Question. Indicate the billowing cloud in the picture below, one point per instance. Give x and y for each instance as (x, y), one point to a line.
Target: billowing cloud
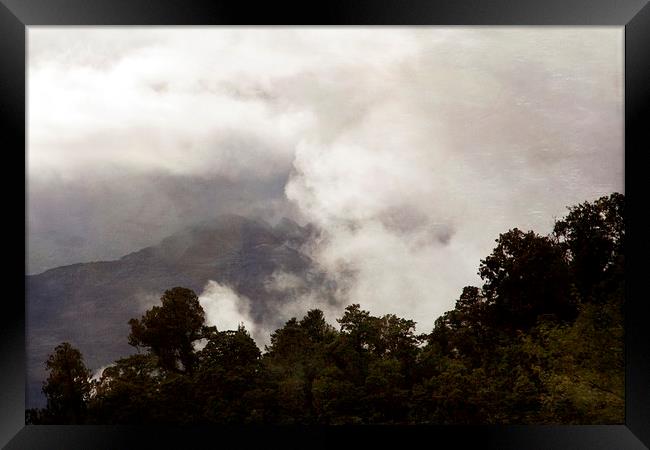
(411, 149)
(224, 308)
(309, 291)
(440, 153)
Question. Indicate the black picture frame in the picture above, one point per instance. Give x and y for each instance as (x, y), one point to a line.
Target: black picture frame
(16, 15)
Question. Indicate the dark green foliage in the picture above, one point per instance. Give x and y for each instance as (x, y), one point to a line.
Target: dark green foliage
(227, 377)
(540, 342)
(127, 391)
(296, 357)
(170, 330)
(67, 387)
(526, 276)
(593, 235)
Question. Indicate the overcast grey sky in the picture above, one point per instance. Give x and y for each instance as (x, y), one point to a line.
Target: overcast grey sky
(412, 147)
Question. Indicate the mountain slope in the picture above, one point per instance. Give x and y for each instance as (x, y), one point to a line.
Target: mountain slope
(90, 304)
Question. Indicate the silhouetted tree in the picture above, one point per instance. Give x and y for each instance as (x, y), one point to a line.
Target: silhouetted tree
(127, 391)
(527, 275)
(594, 237)
(228, 376)
(296, 356)
(170, 330)
(541, 341)
(67, 387)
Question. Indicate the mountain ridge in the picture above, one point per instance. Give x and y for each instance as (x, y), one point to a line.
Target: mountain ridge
(89, 304)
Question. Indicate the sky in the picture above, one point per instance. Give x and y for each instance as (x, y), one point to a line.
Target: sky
(412, 148)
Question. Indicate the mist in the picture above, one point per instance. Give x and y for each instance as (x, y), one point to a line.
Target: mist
(409, 149)
(225, 309)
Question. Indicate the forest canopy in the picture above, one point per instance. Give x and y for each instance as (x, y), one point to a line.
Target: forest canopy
(541, 341)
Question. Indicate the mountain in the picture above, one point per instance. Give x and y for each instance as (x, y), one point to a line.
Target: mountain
(90, 304)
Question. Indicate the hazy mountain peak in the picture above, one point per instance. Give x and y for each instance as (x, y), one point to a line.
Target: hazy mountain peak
(89, 304)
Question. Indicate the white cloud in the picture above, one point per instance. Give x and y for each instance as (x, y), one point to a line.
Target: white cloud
(437, 155)
(304, 293)
(411, 148)
(224, 308)
(227, 310)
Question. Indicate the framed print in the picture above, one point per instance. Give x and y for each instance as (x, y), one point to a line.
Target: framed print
(353, 222)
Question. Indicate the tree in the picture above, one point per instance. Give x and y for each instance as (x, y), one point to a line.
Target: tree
(67, 387)
(170, 330)
(469, 329)
(229, 349)
(317, 329)
(526, 276)
(228, 376)
(296, 356)
(379, 355)
(127, 391)
(593, 235)
(540, 342)
(582, 366)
